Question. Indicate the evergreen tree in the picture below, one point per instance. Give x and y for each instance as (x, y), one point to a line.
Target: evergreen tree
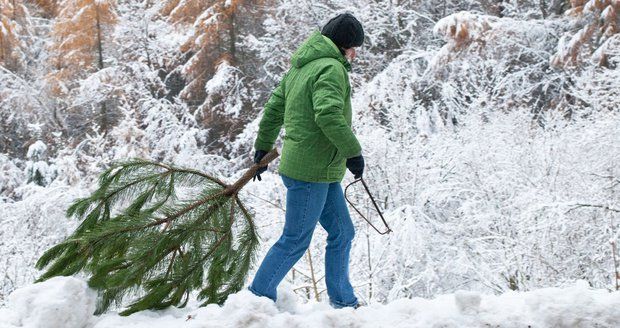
(38, 171)
(141, 231)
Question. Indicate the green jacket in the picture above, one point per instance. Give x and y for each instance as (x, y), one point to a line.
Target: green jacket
(313, 101)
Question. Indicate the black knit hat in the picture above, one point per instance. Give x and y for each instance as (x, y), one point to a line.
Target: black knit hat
(345, 31)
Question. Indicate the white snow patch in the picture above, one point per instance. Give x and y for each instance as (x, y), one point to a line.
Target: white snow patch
(452, 26)
(36, 149)
(224, 90)
(67, 302)
(60, 302)
(467, 302)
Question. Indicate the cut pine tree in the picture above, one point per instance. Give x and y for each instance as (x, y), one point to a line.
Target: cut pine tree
(140, 237)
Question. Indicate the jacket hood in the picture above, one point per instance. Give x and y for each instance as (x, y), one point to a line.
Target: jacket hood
(315, 47)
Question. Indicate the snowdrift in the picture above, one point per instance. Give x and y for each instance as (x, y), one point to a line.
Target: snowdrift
(67, 302)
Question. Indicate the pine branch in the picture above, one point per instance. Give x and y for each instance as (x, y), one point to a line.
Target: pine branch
(142, 236)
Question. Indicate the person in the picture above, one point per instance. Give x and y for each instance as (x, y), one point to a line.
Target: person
(313, 101)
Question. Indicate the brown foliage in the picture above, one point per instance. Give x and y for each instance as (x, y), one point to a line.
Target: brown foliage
(8, 44)
(11, 13)
(49, 7)
(601, 20)
(13, 10)
(216, 24)
(79, 33)
(213, 41)
(187, 11)
(462, 29)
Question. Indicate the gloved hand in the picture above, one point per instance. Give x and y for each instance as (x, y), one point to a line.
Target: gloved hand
(356, 166)
(258, 155)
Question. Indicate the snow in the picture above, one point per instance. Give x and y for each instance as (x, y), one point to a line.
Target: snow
(463, 23)
(224, 90)
(467, 302)
(12, 175)
(593, 5)
(219, 81)
(36, 149)
(608, 13)
(67, 302)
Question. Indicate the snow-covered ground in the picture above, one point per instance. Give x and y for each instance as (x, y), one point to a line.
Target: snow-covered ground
(67, 302)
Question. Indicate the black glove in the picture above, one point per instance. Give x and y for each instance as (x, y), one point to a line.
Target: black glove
(356, 166)
(258, 155)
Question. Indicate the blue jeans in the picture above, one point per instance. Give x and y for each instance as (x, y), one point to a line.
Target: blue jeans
(307, 203)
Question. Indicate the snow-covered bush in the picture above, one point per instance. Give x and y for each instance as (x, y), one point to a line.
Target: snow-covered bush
(12, 177)
(29, 227)
(496, 207)
(38, 170)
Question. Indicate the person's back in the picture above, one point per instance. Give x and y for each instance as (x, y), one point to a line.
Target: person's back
(315, 96)
(313, 102)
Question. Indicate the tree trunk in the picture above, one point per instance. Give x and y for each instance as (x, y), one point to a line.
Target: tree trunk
(99, 41)
(543, 8)
(104, 118)
(558, 7)
(233, 38)
(103, 110)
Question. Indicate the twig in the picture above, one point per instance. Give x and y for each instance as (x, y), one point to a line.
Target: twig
(267, 201)
(605, 207)
(313, 279)
(614, 251)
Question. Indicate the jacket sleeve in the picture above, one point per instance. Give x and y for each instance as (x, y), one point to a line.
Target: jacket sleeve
(328, 99)
(272, 120)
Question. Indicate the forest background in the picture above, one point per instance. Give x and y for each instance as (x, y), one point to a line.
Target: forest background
(490, 128)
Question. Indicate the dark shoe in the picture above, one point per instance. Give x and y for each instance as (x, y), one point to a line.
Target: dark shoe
(355, 306)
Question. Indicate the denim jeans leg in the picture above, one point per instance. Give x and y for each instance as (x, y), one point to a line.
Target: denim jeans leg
(304, 203)
(336, 220)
